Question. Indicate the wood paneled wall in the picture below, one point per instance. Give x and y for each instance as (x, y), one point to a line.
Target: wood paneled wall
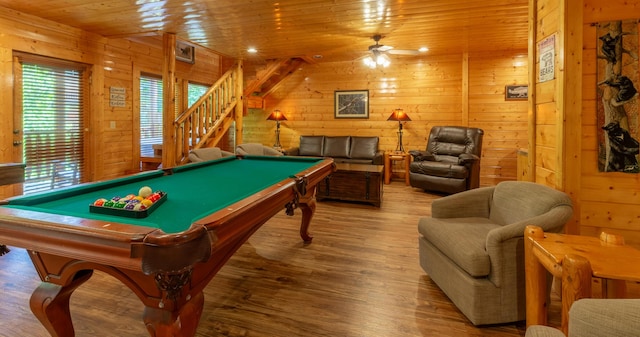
(112, 62)
(434, 90)
(548, 114)
(610, 201)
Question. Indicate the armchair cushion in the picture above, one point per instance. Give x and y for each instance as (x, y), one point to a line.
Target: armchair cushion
(462, 240)
(604, 317)
(440, 169)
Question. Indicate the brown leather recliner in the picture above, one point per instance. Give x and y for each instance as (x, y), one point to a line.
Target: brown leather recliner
(451, 162)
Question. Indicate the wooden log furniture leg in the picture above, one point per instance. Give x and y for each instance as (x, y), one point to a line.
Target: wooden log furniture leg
(576, 284)
(535, 281)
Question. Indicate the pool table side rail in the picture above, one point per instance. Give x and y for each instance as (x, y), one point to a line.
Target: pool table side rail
(73, 237)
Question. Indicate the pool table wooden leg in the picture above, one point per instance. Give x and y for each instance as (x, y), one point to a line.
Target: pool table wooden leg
(50, 304)
(308, 207)
(182, 322)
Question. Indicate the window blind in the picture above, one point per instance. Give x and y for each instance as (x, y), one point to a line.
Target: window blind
(52, 113)
(150, 113)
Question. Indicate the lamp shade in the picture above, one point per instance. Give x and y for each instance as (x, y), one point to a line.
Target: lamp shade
(276, 115)
(399, 115)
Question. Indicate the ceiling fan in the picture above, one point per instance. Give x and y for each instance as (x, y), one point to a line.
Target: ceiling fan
(379, 53)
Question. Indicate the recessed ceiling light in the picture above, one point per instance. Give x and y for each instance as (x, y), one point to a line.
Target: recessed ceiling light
(252, 50)
(318, 56)
(423, 49)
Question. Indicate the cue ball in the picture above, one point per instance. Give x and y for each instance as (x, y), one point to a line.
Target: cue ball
(145, 191)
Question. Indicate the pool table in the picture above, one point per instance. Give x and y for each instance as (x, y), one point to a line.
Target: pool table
(168, 257)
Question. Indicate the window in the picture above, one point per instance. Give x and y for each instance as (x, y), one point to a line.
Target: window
(151, 109)
(52, 115)
(150, 114)
(195, 92)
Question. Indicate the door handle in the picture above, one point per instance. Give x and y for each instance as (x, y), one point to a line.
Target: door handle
(17, 143)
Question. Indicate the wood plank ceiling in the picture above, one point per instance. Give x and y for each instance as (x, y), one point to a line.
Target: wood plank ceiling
(336, 30)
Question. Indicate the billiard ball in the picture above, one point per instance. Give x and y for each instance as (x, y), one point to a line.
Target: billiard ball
(145, 191)
(99, 202)
(154, 197)
(127, 197)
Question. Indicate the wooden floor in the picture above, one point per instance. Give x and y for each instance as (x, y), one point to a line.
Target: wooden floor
(359, 277)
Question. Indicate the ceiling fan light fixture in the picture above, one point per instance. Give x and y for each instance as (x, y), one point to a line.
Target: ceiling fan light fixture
(383, 60)
(369, 62)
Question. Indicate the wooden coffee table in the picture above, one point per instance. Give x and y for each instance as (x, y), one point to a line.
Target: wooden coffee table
(575, 259)
(353, 182)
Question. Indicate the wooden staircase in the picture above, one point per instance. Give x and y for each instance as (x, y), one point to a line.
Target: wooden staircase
(205, 123)
(267, 79)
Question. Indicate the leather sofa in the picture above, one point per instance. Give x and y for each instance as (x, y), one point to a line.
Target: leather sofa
(451, 161)
(343, 149)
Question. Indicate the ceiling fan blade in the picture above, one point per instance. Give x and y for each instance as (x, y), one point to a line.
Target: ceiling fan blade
(403, 52)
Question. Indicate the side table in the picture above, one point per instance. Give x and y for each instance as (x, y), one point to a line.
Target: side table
(389, 158)
(574, 259)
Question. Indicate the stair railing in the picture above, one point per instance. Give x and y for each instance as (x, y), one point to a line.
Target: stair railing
(199, 125)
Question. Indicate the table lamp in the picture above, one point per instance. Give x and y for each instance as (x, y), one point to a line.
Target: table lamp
(400, 116)
(277, 116)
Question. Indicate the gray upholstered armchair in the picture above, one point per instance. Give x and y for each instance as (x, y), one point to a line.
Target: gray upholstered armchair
(207, 153)
(590, 317)
(472, 246)
(451, 161)
(256, 149)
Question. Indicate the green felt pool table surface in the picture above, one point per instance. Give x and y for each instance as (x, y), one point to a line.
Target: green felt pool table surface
(193, 191)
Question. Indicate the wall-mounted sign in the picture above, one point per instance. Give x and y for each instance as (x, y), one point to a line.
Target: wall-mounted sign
(117, 97)
(547, 50)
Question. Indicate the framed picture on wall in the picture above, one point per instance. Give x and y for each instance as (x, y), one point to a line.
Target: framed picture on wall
(352, 104)
(185, 52)
(518, 92)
